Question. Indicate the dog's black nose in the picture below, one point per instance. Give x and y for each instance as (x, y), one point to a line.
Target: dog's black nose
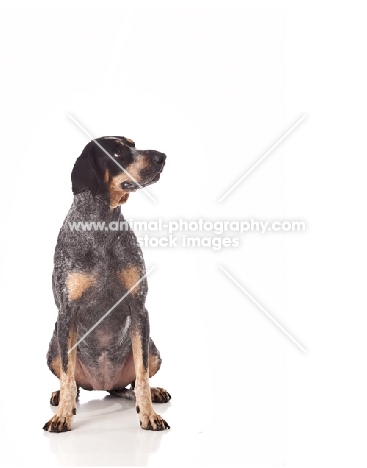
(159, 158)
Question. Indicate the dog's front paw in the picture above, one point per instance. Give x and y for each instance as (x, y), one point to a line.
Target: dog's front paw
(159, 395)
(59, 423)
(153, 422)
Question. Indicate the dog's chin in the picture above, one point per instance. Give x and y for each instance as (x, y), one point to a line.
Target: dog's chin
(151, 181)
(130, 186)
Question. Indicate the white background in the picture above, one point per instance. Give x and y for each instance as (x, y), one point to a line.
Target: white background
(214, 86)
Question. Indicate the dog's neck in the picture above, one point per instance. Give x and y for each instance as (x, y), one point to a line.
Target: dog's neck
(86, 205)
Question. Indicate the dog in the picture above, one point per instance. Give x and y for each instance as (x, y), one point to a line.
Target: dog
(93, 270)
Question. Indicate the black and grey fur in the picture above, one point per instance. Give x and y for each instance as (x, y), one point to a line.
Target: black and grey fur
(93, 269)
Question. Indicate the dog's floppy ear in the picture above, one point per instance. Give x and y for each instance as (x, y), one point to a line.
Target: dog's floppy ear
(86, 174)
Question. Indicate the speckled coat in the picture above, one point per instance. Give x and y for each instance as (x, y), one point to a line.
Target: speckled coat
(93, 270)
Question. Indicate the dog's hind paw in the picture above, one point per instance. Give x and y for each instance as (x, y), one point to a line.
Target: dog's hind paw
(159, 395)
(124, 393)
(55, 398)
(58, 424)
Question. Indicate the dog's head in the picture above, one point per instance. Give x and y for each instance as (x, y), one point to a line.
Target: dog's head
(112, 165)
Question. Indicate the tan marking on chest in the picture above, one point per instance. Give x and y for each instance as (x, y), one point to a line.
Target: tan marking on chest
(78, 283)
(129, 277)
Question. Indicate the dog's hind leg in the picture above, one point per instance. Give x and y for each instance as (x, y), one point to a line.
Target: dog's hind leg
(158, 394)
(55, 398)
(127, 393)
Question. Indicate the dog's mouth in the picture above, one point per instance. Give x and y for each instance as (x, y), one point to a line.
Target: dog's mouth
(130, 186)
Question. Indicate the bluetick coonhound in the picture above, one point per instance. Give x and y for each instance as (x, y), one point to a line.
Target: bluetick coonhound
(92, 271)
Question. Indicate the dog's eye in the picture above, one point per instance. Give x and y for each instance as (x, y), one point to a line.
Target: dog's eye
(118, 151)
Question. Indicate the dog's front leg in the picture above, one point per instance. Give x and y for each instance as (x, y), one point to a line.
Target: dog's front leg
(67, 338)
(149, 419)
